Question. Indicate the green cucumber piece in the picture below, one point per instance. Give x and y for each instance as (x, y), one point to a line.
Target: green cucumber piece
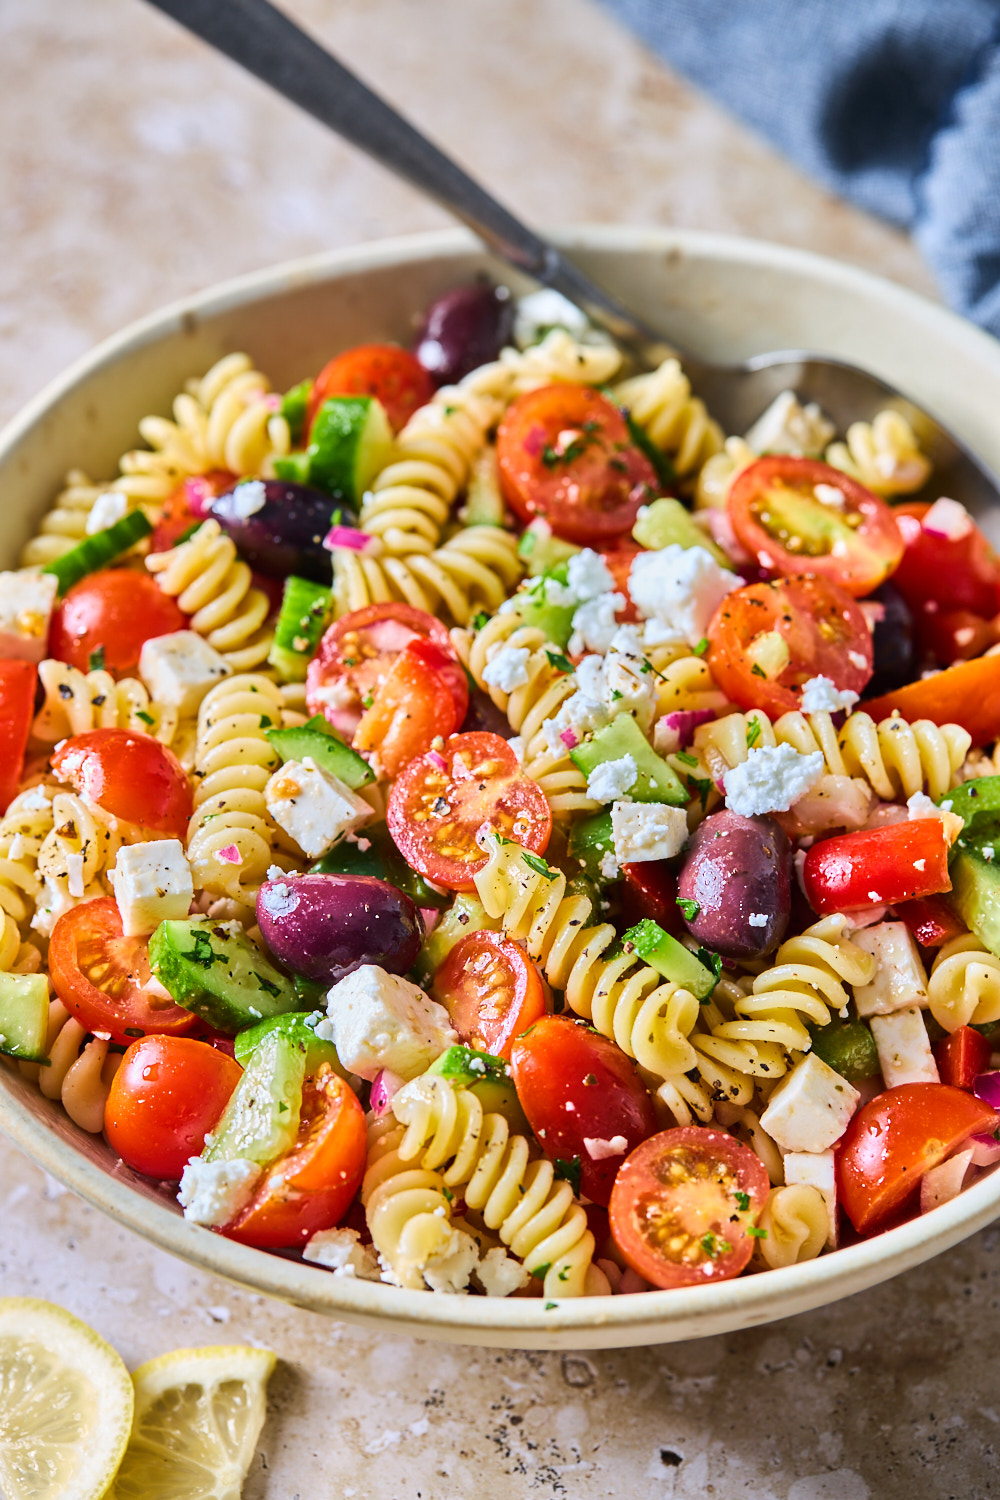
(555, 621)
(261, 1120)
(541, 551)
(975, 800)
(670, 958)
(96, 551)
(317, 740)
(466, 915)
(214, 970)
(295, 408)
(487, 1077)
(666, 522)
(305, 610)
(655, 781)
(295, 1028)
(349, 443)
(24, 1016)
(293, 466)
(975, 886)
(589, 841)
(383, 860)
(847, 1047)
(483, 501)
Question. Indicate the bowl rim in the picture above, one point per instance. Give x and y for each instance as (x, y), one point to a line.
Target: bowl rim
(652, 1316)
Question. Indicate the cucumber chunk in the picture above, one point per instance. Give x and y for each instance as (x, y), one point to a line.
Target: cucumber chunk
(487, 1077)
(666, 522)
(97, 551)
(214, 970)
(24, 1016)
(655, 782)
(847, 1047)
(261, 1120)
(305, 609)
(589, 841)
(295, 409)
(466, 915)
(540, 550)
(349, 443)
(296, 1029)
(975, 882)
(670, 958)
(316, 739)
(382, 860)
(555, 621)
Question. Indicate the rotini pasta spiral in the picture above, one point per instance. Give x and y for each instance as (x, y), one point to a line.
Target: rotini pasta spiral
(795, 1223)
(75, 855)
(23, 830)
(883, 454)
(719, 471)
(76, 702)
(232, 763)
(78, 1072)
(66, 523)
(476, 569)
(534, 1213)
(964, 984)
(406, 1207)
(213, 586)
(676, 422)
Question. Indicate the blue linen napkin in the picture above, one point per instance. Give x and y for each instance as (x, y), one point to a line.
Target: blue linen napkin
(894, 104)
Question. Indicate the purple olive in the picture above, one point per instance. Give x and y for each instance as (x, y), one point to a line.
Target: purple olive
(464, 329)
(483, 714)
(893, 644)
(278, 527)
(738, 872)
(325, 926)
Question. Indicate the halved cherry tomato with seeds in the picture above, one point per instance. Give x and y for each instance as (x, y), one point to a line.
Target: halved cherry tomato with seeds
(132, 776)
(565, 453)
(767, 640)
(392, 374)
(115, 611)
(357, 653)
(683, 1206)
(102, 977)
(797, 515)
(166, 1096)
(441, 801)
(414, 705)
(491, 990)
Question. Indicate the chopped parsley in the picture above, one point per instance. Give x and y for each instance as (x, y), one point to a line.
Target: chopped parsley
(203, 953)
(713, 1246)
(742, 1201)
(569, 1171)
(95, 662)
(559, 661)
(756, 1233)
(367, 701)
(686, 758)
(265, 722)
(689, 909)
(145, 717)
(711, 961)
(757, 671)
(701, 647)
(267, 985)
(700, 787)
(539, 866)
(479, 619)
(753, 733)
(542, 1271)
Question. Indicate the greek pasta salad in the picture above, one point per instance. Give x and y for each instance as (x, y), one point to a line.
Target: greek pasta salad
(471, 823)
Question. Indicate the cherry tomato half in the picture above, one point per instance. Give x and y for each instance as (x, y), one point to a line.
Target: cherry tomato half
(392, 374)
(966, 694)
(186, 506)
(797, 515)
(356, 654)
(877, 866)
(565, 453)
(440, 802)
(962, 1056)
(619, 559)
(491, 990)
(167, 1095)
(415, 703)
(897, 1137)
(101, 976)
(583, 1098)
(650, 891)
(130, 775)
(116, 610)
(683, 1203)
(311, 1187)
(18, 680)
(956, 572)
(822, 627)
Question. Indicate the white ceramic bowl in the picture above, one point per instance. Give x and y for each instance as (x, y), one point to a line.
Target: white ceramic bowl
(725, 298)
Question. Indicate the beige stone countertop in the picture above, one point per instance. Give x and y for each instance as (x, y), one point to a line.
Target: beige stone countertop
(135, 167)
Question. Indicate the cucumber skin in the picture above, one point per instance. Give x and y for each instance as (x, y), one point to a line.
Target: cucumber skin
(349, 443)
(200, 987)
(99, 549)
(254, 1126)
(670, 958)
(305, 609)
(24, 1016)
(295, 1027)
(329, 753)
(657, 782)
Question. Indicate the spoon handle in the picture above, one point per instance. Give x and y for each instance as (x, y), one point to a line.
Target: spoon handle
(267, 43)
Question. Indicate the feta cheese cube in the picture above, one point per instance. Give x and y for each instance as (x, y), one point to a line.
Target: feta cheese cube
(816, 1169)
(610, 780)
(682, 586)
(178, 669)
(647, 830)
(899, 979)
(213, 1192)
(507, 669)
(904, 1048)
(378, 1020)
(811, 1107)
(313, 807)
(108, 508)
(27, 600)
(341, 1251)
(789, 427)
(152, 884)
(820, 695)
(770, 779)
(539, 311)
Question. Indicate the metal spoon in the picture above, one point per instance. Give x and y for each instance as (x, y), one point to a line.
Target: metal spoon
(267, 43)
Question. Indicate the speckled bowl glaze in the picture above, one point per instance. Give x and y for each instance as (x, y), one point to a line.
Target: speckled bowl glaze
(726, 298)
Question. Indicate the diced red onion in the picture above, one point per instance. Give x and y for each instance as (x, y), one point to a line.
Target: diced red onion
(987, 1088)
(229, 854)
(437, 760)
(569, 738)
(347, 536)
(947, 519)
(385, 1086)
(199, 494)
(944, 1182)
(431, 917)
(273, 401)
(685, 721)
(985, 1150)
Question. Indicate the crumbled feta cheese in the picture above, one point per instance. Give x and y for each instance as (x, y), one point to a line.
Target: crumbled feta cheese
(609, 867)
(822, 696)
(789, 427)
(643, 831)
(341, 1251)
(859, 660)
(74, 874)
(591, 677)
(904, 1048)
(658, 633)
(609, 781)
(178, 669)
(588, 575)
(682, 586)
(378, 1020)
(500, 1274)
(757, 919)
(594, 624)
(50, 903)
(921, 806)
(340, 693)
(579, 715)
(601, 1150)
(313, 807)
(152, 884)
(816, 1169)
(508, 669)
(810, 1108)
(947, 518)
(27, 600)
(516, 743)
(248, 498)
(449, 1270)
(108, 508)
(770, 779)
(213, 1192)
(539, 311)
(899, 979)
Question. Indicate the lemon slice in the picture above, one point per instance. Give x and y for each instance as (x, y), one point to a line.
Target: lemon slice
(198, 1415)
(65, 1404)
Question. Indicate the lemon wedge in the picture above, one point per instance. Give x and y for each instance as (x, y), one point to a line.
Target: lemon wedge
(198, 1415)
(65, 1404)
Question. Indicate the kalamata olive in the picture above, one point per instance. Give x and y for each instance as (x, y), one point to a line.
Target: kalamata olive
(892, 642)
(325, 926)
(464, 329)
(738, 872)
(278, 526)
(483, 715)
